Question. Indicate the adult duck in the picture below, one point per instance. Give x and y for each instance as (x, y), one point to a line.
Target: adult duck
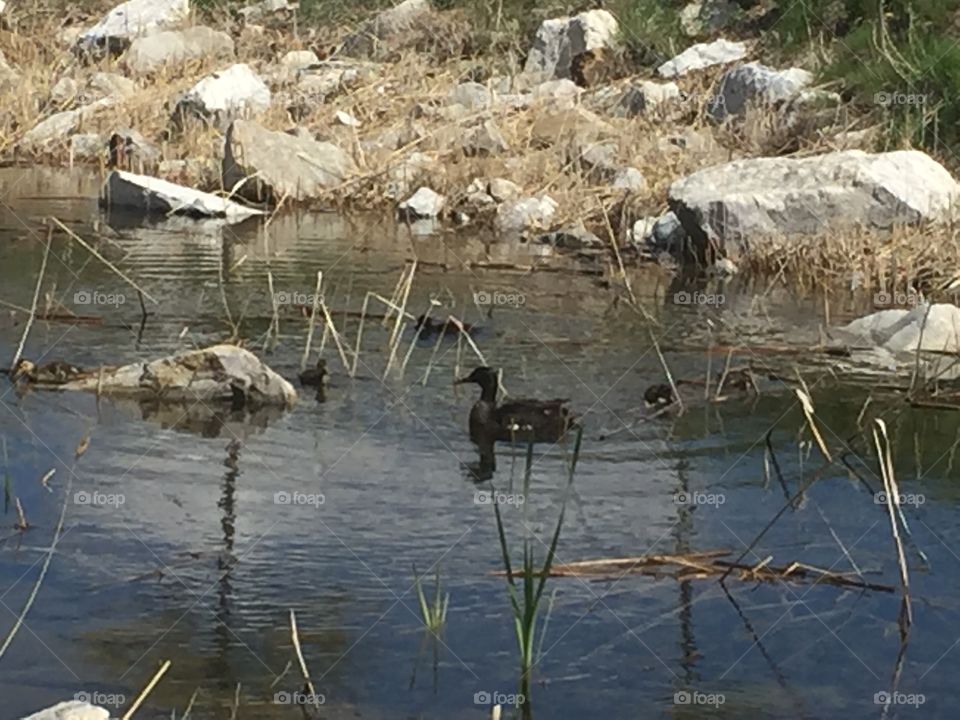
(521, 421)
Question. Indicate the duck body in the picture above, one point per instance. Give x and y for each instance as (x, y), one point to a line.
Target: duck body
(429, 327)
(314, 377)
(52, 373)
(521, 421)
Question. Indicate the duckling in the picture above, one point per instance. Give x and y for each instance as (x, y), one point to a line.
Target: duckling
(314, 377)
(519, 420)
(659, 395)
(51, 373)
(429, 327)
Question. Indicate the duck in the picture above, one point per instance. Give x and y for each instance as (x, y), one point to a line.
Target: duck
(315, 376)
(429, 327)
(51, 373)
(523, 420)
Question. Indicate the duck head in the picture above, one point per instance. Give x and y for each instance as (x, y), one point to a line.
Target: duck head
(486, 378)
(23, 369)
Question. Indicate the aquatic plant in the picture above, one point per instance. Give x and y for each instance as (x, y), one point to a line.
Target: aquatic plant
(525, 596)
(434, 615)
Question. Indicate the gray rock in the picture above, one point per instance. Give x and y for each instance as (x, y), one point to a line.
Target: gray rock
(345, 118)
(322, 81)
(265, 166)
(424, 203)
(55, 131)
(8, 76)
(87, 147)
(559, 40)
(64, 92)
(703, 55)
(553, 126)
(299, 59)
(71, 710)
(130, 20)
(905, 331)
(484, 139)
(667, 233)
(265, 8)
(645, 96)
(130, 150)
(699, 19)
(598, 160)
(757, 85)
(174, 47)
(213, 374)
(515, 216)
(146, 194)
(471, 95)
(629, 179)
(236, 92)
(388, 29)
(110, 85)
(414, 169)
(561, 89)
(732, 205)
(572, 238)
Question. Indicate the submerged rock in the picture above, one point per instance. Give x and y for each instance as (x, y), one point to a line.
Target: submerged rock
(218, 373)
(71, 710)
(263, 165)
(560, 40)
(729, 206)
(235, 92)
(130, 20)
(755, 84)
(703, 55)
(145, 194)
(175, 47)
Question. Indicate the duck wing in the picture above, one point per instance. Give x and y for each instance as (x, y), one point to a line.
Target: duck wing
(534, 420)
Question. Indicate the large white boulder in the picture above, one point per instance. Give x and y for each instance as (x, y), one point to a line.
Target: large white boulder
(424, 203)
(703, 55)
(758, 85)
(71, 710)
(218, 373)
(905, 331)
(732, 205)
(146, 194)
(559, 40)
(174, 47)
(234, 92)
(264, 166)
(132, 19)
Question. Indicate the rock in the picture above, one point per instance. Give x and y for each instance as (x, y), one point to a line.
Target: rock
(641, 232)
(559, 40)
(151, 195)
(265, 8)
(222, 373)
(130, 20)
(644, 97)
(699, 19)
(899, 331)
(235, 92)
(9, 77)
(724, 268)
(189, 171)
(471, 95)
(629, 179)
(388, 30)
(412, 170)
(174, 47)
(561, 89)
(345, 118)
(104, 85)
(86, 147)
(731, 205)
(484, 139)
(64, 91)
(571, 238)
(667, 233)
(265, 165)
(502, 190)
(129, 150)
(299, 59)
(555, 126)
(597, 160)
(755, 84)
(332, 76)
(515, 216)
(71, 710)
(56, 130)
(424, 203)
(703, 55)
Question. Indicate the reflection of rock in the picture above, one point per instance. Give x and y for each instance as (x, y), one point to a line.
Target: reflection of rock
(208, 421)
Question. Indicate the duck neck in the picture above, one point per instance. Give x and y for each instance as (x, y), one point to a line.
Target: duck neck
(488, 390)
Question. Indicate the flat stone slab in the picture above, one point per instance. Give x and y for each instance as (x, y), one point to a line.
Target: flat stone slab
(148, 194)
(703, 55)
(173, 47)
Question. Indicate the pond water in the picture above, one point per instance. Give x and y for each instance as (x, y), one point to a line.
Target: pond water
(176, 547)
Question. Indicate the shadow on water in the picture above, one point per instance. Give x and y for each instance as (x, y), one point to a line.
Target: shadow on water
(202, 561)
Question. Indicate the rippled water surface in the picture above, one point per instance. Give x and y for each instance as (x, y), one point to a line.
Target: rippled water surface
(200, 565)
